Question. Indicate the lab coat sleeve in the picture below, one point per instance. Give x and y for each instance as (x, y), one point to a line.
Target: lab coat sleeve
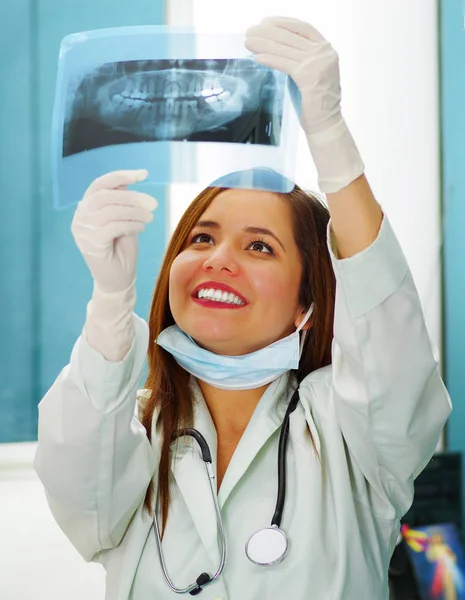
(94, 458)
(389, 397)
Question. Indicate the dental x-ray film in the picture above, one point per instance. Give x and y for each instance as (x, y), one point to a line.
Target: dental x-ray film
(186, 106)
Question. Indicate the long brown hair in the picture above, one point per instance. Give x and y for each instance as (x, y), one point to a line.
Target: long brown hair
(170, 395)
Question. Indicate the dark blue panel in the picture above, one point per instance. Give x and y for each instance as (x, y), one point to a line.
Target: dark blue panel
(17, 225)
(453, 140)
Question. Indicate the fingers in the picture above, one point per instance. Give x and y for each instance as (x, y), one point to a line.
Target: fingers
(98, 241)
(269, 46)
(285, 44)
(107, 234)
(113, 212)
(104, 197)
(295, 26)
(115, 180)
(268, 35)
(101, 216)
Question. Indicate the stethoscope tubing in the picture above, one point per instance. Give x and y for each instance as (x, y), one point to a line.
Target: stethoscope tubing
(205, 579)
(196, 587)
(282, 451)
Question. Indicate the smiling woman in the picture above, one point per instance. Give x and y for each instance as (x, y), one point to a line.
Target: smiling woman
(276, 284)
(292, 348)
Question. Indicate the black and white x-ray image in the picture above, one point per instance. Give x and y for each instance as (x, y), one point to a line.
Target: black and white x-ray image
(231, 100)
(158, 97)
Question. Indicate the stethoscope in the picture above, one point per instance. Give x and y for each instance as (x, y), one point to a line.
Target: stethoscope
(266, 547)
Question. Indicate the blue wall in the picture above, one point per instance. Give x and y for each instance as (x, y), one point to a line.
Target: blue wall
(452, 44)
(44, 283)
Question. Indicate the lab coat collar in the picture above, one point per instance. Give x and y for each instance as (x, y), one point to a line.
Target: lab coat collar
(189, 469)
(266, 419)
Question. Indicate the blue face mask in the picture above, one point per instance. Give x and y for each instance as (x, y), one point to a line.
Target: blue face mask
(244, 372)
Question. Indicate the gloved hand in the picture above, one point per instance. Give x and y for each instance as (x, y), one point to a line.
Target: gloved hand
(105, 227)
(300, 51)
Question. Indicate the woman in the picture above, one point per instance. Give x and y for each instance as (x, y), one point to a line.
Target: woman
(244, 274)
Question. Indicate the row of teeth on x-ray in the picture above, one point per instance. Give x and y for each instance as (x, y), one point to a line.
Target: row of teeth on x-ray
(170, 99)
(152, 89)
(175, 103)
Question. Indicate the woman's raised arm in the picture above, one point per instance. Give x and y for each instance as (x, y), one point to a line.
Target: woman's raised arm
(355, 217)
(300, 51)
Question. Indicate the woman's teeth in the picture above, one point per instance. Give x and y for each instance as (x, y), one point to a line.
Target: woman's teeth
(218, 296)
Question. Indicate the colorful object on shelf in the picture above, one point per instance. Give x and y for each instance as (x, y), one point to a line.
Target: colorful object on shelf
(438, 561)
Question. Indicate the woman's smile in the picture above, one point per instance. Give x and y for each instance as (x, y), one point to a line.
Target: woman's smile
(212, 294)
(211, 303)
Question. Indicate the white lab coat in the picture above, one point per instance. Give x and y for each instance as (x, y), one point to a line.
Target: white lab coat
(375, 415)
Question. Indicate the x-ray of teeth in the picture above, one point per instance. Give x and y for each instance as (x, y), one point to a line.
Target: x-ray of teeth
(188, 106)
(222, 100)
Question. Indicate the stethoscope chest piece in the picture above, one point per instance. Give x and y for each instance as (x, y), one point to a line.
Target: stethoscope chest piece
(267, 547)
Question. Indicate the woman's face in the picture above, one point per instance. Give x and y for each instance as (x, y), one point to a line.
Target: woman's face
(243, 245)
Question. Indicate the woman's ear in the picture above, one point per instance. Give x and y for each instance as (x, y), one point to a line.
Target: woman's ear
(300, 317)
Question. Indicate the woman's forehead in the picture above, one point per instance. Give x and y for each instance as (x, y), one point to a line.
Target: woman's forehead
(241, 203)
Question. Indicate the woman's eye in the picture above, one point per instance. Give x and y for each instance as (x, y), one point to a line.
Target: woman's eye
(201, 238)
(261, 247)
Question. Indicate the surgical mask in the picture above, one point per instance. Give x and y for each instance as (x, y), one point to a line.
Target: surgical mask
(244, 372)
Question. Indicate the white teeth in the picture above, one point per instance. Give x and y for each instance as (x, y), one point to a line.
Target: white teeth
(219, 296)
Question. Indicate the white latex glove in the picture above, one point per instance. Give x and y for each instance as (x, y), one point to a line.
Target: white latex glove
(300, 51)
(105, 227)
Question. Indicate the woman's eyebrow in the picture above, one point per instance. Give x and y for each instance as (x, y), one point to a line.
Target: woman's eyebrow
(264, 231)
(248, 229)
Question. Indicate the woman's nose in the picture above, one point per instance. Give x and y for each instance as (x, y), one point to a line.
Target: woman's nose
(222, 257)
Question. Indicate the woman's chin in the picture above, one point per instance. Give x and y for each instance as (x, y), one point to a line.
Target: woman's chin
(217, 342)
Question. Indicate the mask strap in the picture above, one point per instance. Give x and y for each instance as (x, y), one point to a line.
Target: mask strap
(306, 318)
(304, 333)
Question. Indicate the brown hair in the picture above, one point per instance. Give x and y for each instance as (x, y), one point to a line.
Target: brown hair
(170, 394)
